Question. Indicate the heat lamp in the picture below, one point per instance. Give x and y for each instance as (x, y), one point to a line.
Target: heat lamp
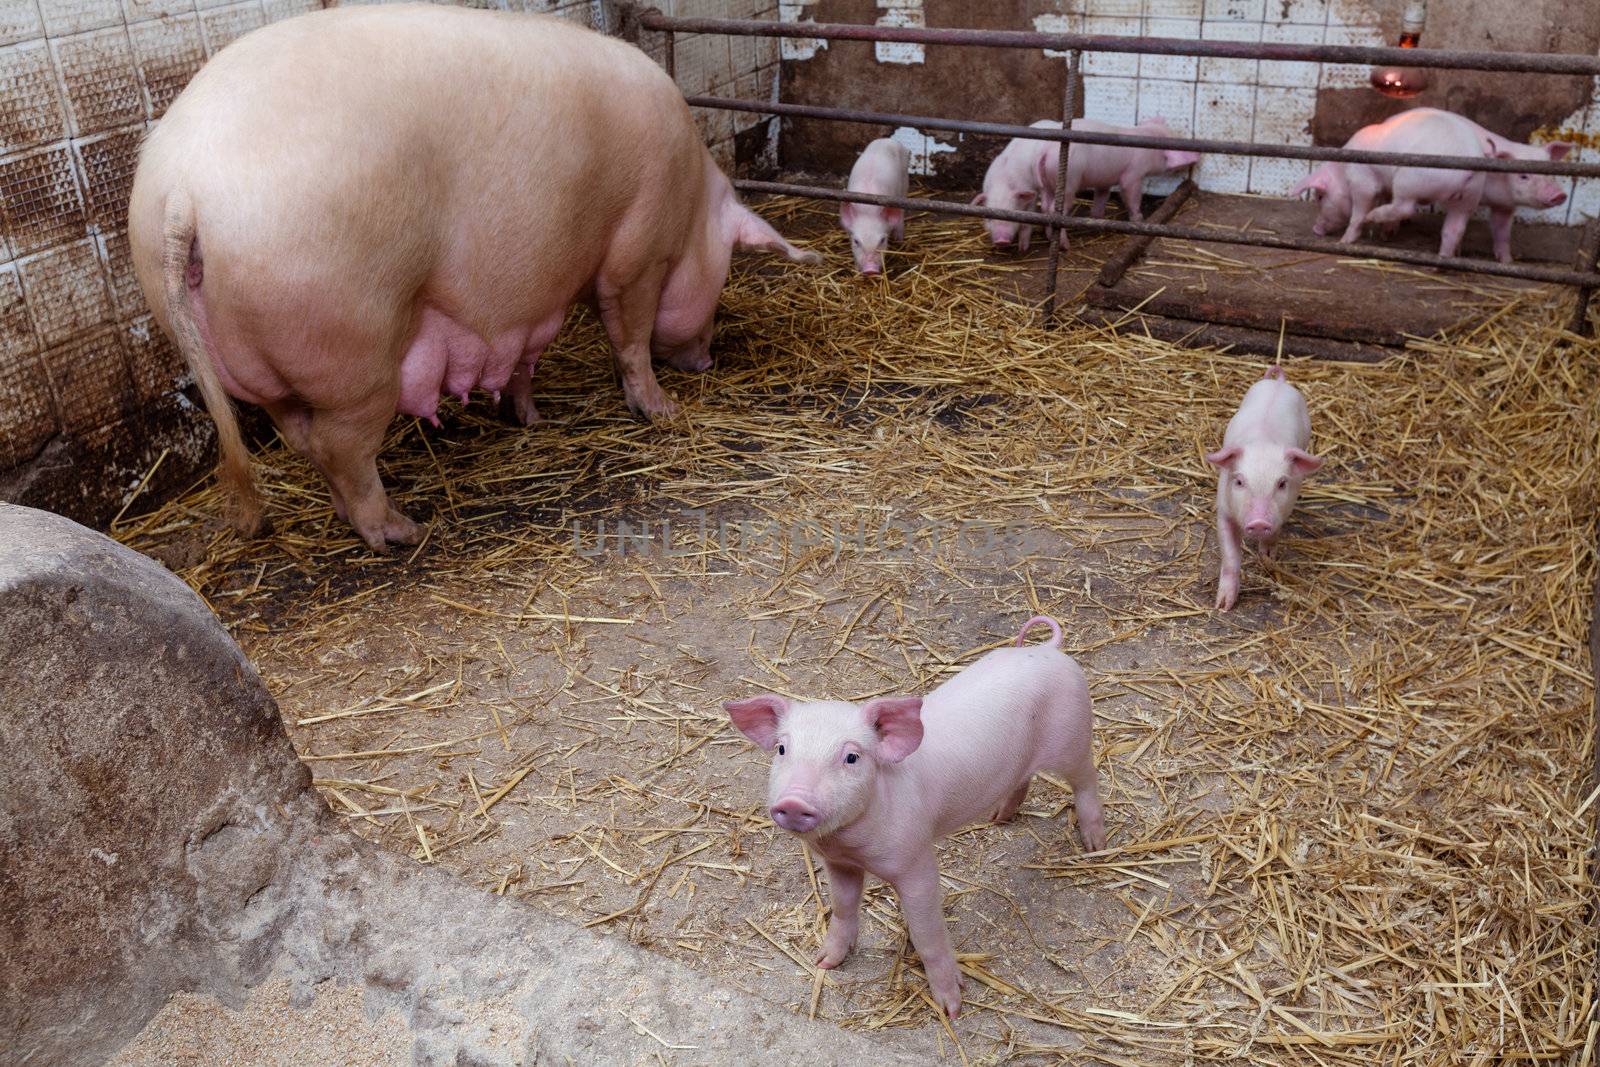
(1402, 83)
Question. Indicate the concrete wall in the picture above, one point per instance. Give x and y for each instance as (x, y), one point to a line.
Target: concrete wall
(90, 390)
(1279, 103)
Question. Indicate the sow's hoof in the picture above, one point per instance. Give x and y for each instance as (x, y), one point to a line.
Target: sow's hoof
(652, 402)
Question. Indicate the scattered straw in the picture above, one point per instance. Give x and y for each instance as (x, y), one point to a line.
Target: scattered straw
(1349, 822)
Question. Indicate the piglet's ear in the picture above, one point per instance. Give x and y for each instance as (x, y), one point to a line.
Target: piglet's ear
(1558, 149)
(981, 199)
(1302, 462)
(1224, 457)
(893, 215)
(898, 722)
(847, 212)
(757, 717)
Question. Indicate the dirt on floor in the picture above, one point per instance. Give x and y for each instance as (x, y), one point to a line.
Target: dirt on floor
(1345, 820)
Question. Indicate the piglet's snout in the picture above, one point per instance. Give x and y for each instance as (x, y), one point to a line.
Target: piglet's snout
(795, 815)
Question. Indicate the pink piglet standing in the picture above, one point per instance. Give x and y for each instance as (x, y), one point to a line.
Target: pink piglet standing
(1260, 466)
(874, 786)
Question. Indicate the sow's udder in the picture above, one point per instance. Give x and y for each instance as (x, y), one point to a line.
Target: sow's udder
(447, 357)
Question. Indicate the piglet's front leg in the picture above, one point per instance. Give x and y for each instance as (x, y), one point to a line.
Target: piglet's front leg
(844, 886)
(1232, 556)
(922, 903)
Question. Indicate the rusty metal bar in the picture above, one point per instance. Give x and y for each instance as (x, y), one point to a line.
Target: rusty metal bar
(672, 55)
(1236, 148)
(1588, 259)
(1069, 108)
(1359, 55)
(1114, 268)
(1525, 272)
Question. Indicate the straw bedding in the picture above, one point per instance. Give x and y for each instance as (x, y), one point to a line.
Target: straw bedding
(1349, 822)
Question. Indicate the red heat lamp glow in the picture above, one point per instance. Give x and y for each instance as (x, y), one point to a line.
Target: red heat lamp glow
(1403, 83)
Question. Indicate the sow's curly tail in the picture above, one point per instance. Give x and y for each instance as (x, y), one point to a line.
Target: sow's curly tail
(181, 271)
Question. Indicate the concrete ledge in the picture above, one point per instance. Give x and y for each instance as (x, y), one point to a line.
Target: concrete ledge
(164, 839)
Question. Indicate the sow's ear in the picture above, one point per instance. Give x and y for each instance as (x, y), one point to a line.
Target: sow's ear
(898, 722)
(1302, 462)
(757, 717)
(752, 231)
(1224, 458)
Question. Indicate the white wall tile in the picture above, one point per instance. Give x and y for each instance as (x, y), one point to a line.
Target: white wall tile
(1118, 64)
(1235, 10)
(1283, 116)
(1290, 74)
(1225, 112)
(1174, 9)
(1223, 174)
(1171, 100)
(1299, 12)
(20, 21)
(1229, 71)
(1114, 100)
(1275, 177)
(1348, 76)
(1183, 68)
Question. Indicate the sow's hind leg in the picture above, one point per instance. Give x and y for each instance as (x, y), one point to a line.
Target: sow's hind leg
(628, 309)
(344, 443)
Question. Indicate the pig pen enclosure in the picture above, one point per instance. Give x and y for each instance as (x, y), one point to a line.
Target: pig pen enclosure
(1350, 821)
(1347, 821)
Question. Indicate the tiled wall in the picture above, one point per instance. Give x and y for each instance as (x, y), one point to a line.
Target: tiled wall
(717, 65)
(1243, 100)
(86, 380)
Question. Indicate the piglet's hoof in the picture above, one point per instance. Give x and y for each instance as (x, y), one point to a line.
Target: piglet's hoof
(947, 994)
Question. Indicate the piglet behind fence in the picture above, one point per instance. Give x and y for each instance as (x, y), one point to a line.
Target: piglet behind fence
(874, 786)
(1260, 466)
(881, 170)
(1012, 184)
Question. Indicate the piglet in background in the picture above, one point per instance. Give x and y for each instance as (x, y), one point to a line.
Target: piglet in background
(1260, 466)
(1012, 184)
(1101, 166)
(874, 786)
(882, 171)
(1505, 191)
(1352, 194)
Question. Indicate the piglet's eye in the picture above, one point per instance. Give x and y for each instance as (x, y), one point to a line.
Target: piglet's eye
(1283, 483)
(780, 750)
(1239, 482)
(850, 757)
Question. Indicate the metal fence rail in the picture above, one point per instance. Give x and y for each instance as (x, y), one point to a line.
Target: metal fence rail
(1584, 277)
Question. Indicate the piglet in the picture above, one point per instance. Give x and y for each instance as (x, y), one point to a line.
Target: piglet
(881, 170)
(1012, 184)
(1260, 466)
(1102, 166)
(874, 786)
(1347, 192)
(1505, 191)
